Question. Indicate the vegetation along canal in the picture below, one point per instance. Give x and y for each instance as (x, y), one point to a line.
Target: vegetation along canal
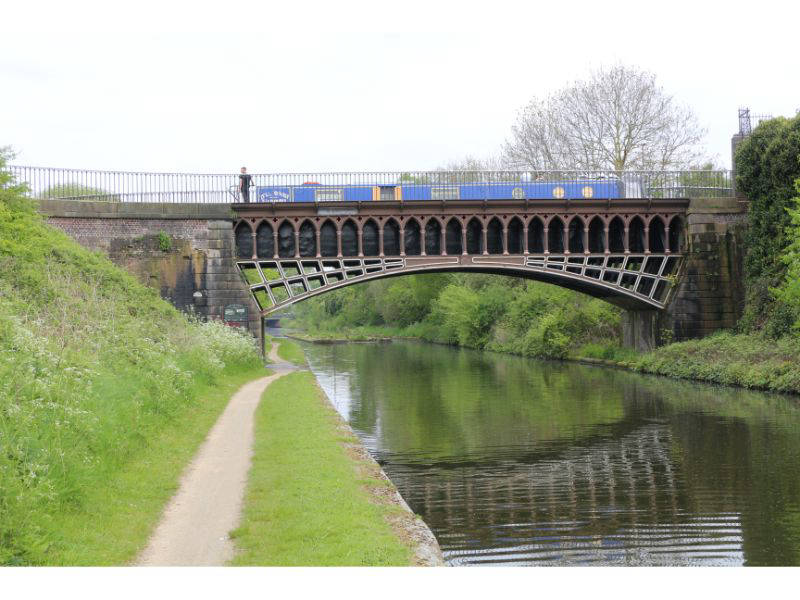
(518, 461)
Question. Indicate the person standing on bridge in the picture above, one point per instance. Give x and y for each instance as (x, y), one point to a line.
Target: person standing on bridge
(245, 181)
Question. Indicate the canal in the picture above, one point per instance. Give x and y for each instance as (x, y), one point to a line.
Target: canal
(513, 461)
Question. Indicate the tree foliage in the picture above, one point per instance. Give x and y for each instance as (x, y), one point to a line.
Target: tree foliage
(618, 118)
(767, 165)
(789, 291)
(476, 311)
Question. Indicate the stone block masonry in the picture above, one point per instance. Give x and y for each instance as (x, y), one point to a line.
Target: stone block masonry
(192, 267)
(709, 295)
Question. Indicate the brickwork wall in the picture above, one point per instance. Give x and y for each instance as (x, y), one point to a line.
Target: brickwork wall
(200, 258)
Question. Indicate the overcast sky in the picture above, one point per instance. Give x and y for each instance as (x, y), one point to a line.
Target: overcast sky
(357, 85)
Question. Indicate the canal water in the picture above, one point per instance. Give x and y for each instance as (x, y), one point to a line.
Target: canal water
(514, 461)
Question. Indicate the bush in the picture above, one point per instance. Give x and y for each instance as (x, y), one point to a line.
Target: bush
(767, 165)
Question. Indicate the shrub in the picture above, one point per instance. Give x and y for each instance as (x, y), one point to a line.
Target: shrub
(767, 165)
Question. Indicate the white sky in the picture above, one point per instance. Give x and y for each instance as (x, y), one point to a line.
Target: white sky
(210, 86)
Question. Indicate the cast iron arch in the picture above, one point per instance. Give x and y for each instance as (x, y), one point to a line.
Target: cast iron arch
(308, 239)
(555, 236)
(454, 244)
(265, 240)
(244, 240)
(328, 246)
(636, 235)
(658, 235)
(433, 237)
(391, 238)
(575, 235)
(536, 236)
(370, 238)
(616, 235)
(474, 236)
(597, 236)
(516, 236)
(412, 239)
(349, 238)
(494, 236)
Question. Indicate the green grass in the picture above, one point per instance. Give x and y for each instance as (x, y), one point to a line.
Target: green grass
(105, 392)
(290, 351)
(609, 351)
(751, 361)
(119, 514)
(307, 502)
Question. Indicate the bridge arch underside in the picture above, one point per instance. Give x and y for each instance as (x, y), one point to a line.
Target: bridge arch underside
(626, 251)
(631, 281)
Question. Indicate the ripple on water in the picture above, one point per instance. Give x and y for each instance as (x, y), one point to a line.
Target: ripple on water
(521, 462)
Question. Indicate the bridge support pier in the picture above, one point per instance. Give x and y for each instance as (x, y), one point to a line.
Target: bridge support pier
(640, 330)
(709, 295)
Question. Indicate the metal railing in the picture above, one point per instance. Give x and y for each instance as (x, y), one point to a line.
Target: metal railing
(181, 188)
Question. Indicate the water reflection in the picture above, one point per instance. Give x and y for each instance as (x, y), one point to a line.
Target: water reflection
(515, 461)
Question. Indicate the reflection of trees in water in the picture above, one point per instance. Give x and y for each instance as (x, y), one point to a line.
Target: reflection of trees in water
(433, 401)
(496, 451)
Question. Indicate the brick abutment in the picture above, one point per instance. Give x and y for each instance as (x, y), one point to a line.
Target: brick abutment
(186, 255)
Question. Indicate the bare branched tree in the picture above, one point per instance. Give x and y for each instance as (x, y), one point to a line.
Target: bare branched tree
(616, 119)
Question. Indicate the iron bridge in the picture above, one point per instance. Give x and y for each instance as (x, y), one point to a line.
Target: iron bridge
(627, 251)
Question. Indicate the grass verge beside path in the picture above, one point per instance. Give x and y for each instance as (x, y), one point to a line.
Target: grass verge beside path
(307, 501)
(290, 351)
(117, 518)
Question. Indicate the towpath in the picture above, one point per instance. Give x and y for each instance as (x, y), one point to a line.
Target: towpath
(194, 528)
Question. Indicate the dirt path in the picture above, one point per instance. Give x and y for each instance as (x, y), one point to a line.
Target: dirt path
(194, 527)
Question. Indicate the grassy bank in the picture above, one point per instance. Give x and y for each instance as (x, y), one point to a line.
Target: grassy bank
(747, 360)
(127, 506)
(105, 391)
(291, 352)
(310, 501)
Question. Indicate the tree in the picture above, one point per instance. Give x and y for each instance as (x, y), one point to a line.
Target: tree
(767, 166)
(789, 290)
(617, 119)
(78, 191)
